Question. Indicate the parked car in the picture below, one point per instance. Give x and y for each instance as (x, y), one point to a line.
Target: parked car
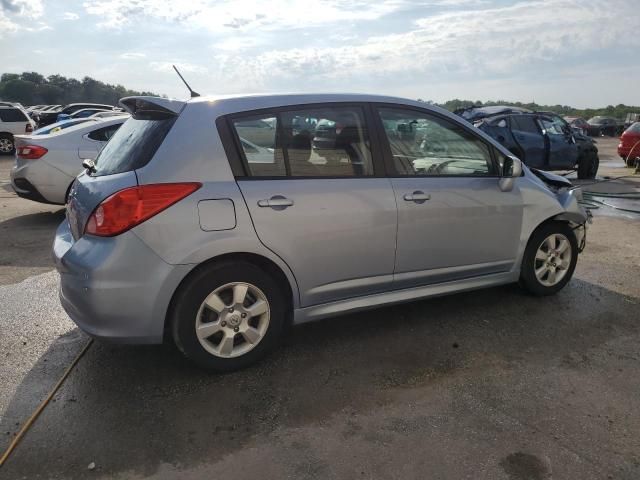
(629, 146)
(46, 165)
(50, 116)
(220, 252)
(55, 127)
(105, 114)
(630, 119)
(542, 140)
(13, 121)
(578, 122)
(84, 113)
(600, 126)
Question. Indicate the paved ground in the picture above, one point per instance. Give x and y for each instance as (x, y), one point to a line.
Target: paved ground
(487, 384)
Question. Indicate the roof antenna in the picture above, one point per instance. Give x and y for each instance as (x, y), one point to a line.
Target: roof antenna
(193, 93)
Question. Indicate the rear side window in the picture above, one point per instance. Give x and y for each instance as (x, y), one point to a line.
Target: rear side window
(132, 146)
(12, 115)
(307, 142)
(524, 123)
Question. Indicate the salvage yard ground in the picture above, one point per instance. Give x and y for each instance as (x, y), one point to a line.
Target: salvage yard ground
(489, 384)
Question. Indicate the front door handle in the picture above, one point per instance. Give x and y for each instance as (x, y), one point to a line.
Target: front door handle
(417, 196)
(277, 201)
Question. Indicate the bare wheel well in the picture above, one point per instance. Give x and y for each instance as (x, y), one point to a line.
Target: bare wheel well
(264, 263)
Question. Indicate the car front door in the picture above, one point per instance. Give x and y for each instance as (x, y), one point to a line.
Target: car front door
(563, 151)
(530, 139)
(454, 222)
(330, 214)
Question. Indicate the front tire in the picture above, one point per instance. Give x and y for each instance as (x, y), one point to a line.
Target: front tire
(588, 165)
(227, 316)
(549, 259)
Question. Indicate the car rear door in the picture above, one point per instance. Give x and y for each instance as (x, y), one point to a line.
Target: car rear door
(330, 214)
(530, 139)
(454, 222)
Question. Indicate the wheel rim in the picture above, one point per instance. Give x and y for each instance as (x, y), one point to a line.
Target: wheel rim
(233, 319)
(553, 259)
(6, 145)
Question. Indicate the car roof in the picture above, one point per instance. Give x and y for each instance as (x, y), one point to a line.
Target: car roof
(243, 102)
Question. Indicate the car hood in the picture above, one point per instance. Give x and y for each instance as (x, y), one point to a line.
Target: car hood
(551, 178)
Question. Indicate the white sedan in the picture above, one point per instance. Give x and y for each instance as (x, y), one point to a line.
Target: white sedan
(47, 165)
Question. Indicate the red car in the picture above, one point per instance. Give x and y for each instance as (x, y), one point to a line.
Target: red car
(629, 147)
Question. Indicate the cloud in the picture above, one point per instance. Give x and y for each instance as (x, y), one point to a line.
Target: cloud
(182, 66)
(22, 8)
(70, 16)
(132, 55)
(13, 14)
(474, 42)
(239, 14)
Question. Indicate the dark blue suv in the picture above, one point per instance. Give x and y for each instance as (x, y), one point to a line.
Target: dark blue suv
(542, 140)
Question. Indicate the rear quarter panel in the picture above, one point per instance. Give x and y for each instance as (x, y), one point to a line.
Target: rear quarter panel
(193, 152)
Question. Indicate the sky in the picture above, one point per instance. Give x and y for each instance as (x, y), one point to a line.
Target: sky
(583, 53)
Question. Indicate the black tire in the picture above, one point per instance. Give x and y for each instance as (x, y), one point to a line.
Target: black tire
(588, 165)
(8, 146)
(528, 279)
(192, 293)
(631, 161)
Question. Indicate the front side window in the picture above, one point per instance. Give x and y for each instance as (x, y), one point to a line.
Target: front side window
(552, 126)
(307, 142)
(423, 144)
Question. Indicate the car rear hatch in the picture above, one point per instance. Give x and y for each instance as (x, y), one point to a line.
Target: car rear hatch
(131, 147)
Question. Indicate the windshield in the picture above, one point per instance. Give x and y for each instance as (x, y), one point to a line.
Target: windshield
(132, 146)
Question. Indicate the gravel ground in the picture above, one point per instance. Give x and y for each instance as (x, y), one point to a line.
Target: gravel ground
(486, 384)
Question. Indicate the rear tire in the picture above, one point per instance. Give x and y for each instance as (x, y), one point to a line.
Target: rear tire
(548, 265)
(7, 145)
(208, 302)
(631, 161)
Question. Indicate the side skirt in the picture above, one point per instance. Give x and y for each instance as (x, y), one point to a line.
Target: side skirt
(351, 305)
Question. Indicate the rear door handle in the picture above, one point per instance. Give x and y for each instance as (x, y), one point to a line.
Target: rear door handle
(277, 201)
(417, 196)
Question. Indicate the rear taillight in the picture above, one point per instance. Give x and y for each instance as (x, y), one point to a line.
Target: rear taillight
(31, 152)
(130, 207)
(28, 128)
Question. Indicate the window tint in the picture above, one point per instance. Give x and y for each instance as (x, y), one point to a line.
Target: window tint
(331, 141)
(12, 115)
(422, 144)
(314, 142)
(257, 136)
(104, 134)
(132, 145)
(524, 123)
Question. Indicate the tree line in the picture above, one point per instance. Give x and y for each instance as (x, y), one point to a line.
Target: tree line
(32, 88)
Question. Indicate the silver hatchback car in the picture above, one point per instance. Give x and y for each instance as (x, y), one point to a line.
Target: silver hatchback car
(220, 221)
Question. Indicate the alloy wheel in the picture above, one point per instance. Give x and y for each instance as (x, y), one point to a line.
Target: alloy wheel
(552, 259)
(233, 319)
(6, 145)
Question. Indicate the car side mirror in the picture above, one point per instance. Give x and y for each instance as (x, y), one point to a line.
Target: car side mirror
(511, 169)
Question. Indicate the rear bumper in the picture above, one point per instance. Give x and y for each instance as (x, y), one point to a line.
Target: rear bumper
(39, 181)
(115, 289)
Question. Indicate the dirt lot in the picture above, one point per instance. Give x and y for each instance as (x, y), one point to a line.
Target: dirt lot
(490, 384)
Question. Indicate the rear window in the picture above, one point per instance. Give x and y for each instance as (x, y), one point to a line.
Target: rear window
(132, 146)
(12, 115)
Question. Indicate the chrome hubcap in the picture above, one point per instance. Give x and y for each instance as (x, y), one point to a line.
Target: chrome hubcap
(233, 319)
(553, 258)
(6, 145)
